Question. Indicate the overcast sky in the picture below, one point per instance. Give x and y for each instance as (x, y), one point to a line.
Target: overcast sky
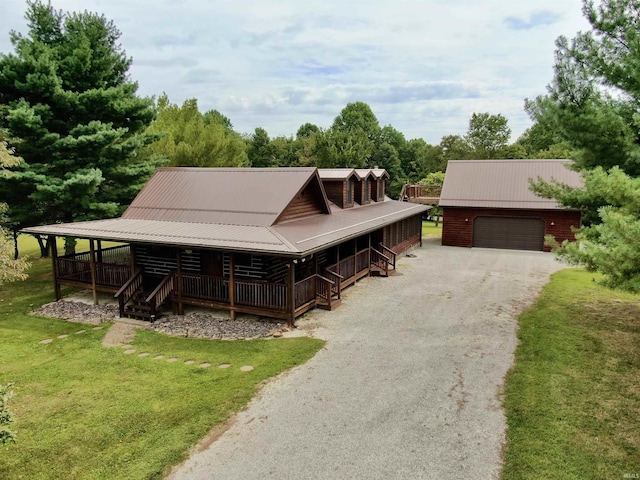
(423, 66)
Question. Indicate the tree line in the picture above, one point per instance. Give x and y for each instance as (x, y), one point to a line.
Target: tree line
(84, 142)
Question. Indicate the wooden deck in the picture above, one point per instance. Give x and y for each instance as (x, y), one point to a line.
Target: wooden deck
(424, 194)
(284, 300)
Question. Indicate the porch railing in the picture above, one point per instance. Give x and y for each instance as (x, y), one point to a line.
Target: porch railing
(205, 287)
(390, 254)
(107, 274)
(112, 255)
(271, 296)
(380, 260)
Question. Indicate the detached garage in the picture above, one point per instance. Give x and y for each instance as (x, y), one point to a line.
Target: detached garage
(487, 203)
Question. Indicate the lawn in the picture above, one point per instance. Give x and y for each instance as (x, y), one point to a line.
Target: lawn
(430, 229)
(573, 397)
(89, 412)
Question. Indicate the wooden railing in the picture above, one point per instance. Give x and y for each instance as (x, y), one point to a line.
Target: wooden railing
(305, 290)
(205, 287)
(420, 191)
(160, 293)
(336, 280)
(128, 290)
(260, 294)
(390, 254)
(350, 266)
(380, 260)
(107, 274)
(313, 288)
(112, 255)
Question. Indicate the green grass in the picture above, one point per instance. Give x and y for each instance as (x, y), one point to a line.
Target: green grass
(573, 397)
(88, 412)
(429, 228)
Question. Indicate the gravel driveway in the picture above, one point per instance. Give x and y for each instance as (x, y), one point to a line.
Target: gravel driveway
(408, 385)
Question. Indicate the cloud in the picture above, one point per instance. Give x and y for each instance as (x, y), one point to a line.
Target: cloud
(536, 19)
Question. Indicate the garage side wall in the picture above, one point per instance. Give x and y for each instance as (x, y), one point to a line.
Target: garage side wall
(457, 228)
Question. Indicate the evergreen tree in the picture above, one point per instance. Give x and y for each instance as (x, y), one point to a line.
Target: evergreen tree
(73, 116)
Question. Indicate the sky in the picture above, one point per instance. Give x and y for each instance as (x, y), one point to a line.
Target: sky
(423, 66)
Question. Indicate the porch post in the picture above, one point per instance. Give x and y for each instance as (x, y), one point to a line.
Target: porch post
(56, 270)
(92, 263)
(291, 293)
(132, 257)
(369, 255)
(355, 258)
(99, 243)
(179, 280)
(232, 285)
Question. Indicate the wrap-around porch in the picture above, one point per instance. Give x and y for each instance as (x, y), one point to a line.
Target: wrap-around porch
(144, 278)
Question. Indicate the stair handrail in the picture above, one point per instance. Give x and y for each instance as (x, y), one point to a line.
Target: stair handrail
(128, 290)
(393, 255)
(337, 284)
(162, 291)
(380, 260)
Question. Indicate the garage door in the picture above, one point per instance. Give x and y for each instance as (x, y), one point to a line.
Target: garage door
(508, 232)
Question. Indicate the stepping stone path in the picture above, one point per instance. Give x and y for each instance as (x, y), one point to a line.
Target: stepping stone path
(128, 350)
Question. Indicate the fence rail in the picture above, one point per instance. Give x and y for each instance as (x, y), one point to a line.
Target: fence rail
(272, 296)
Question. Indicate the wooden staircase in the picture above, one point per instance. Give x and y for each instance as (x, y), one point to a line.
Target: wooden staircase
(139, 308)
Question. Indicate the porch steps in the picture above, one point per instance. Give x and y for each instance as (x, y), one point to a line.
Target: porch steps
(323, 304)
(378, 272)
(139, 309)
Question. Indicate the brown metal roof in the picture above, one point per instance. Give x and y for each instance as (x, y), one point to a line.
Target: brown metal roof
(379, 172)
(364, 173)
(316, 233)
(336, 173)
(233, 209)
(503, 183)
(239, 196)
(297, 238)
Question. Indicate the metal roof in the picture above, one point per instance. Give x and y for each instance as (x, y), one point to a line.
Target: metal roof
(364, 173)
(336, 173)
(240, 196)
(233, 209)
(296, 238)
(503, 183)
(379, 172)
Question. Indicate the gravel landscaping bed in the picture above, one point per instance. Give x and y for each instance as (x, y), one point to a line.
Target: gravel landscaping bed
(193, 324)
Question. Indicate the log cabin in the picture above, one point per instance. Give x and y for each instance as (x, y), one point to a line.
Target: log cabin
(272, 242)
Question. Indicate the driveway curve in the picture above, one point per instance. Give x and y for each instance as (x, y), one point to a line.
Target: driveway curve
(408, 385)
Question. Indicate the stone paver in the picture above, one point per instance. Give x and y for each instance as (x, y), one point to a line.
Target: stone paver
(204, 365)
(224, 365)
(172, 360)
(129, 351)
(46, 341)
(246, 368)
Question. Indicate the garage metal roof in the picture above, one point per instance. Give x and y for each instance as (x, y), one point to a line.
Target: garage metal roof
(503, 183)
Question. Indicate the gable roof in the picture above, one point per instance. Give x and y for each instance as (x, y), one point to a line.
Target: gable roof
(229, 196)
(336, 173)
(364, 173)
(503, 183)
(379, 173)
